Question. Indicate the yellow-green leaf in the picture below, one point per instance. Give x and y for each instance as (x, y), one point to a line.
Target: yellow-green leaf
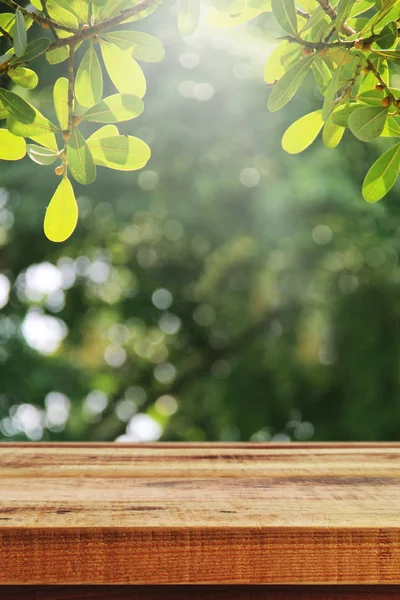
(188, 16)
(332, 133)
(382, 175)
(24, 77)
(11, 146)
(124, 71)
(40, 130)
(142, 46)
(302, 132)
(60, 100)
(62, 213)
(17, 107)
(89, 79)
(274, 69)
(123, 152)
(58, 55)
(115, 109)
(287, 86)
(103, 132)
(80, 160)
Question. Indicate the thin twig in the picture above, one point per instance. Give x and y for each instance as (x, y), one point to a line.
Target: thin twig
(303, 13)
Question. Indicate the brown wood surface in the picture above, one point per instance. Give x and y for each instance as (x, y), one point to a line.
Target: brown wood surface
(200, 514)
(183, 592)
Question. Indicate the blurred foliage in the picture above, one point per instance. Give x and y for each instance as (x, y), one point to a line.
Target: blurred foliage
(227, 292)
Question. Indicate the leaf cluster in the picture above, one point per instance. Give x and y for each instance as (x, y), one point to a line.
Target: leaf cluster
(350, 48)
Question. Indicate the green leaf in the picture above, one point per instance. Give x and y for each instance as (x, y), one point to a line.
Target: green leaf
(341, 114)
(20, 37)
(124, 71)
(343, 10)
(388, 54)
(115, 109)
(40, 155)
(302, 132)
(62, 213)
(40, 130)
(322, 74)
(89, 79)
(24, 77)
(80, 160)
(33, 49)
(287, 86)
(123, 152)
(103, 132)
(330, 93)
(382, 175)
(388, 37)
(285, 13)
(274, 69)
(367, 123)
(62, 14)
(11, 146)
(142, 46)
(60, 100)
(188, 16)
(17, 107)
(332, 133)
(3, 111)
(392, 128)
(58, 55)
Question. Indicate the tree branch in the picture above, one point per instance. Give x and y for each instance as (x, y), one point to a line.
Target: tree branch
(332, 14)
(90, 32)
(37, 18)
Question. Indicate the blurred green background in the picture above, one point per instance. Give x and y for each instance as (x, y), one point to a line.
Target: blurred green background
(228, 291)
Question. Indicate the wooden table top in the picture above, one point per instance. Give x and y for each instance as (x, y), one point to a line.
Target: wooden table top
(200, 513)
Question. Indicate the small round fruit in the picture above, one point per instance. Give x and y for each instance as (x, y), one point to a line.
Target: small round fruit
(306, 51)
(367, 70)
(358, 44)
(59, 170)
(77, 120)
(366, 48)
(86, 26)
(385, 101)
(379, 87)
(66, 135)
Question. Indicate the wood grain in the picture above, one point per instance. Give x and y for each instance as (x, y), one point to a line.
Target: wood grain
(184, 592)
(200, 514)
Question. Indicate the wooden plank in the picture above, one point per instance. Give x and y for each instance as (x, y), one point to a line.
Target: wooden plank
(184, 592)
(200, 514)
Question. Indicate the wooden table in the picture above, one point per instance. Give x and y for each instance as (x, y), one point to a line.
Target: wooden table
(200, 521)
